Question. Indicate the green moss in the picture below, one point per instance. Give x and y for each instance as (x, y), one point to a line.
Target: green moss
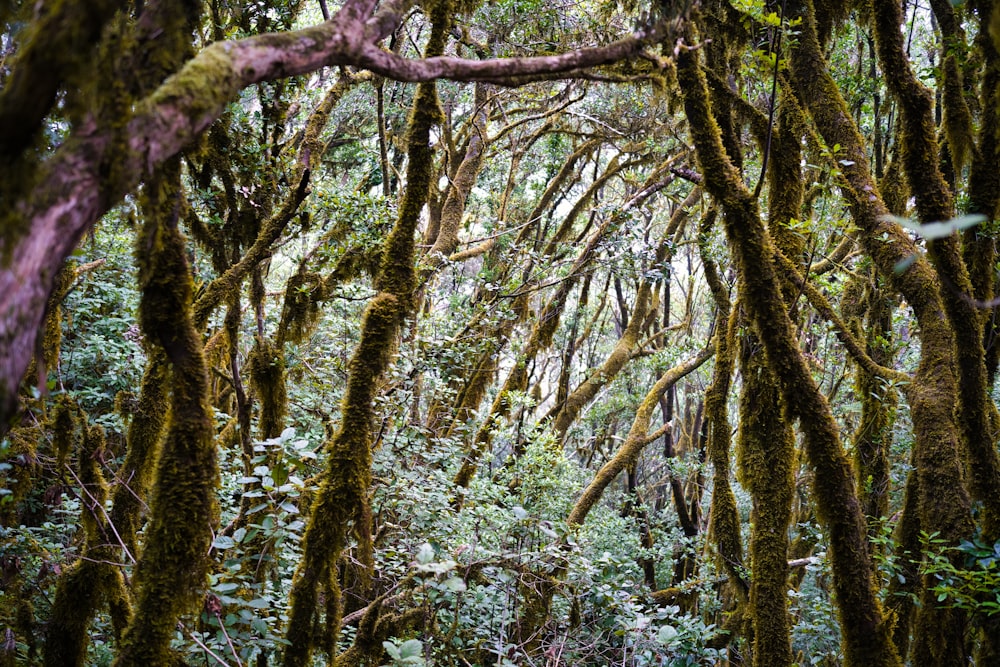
(765, 460)
(300, 310)
(143, 446)
(68, 428)
(171, 571)
(864, 626)
(267, 376)
(342, 499)
(958, 125)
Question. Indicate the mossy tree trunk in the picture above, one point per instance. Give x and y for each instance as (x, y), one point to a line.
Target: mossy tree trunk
(342, 498)
(865, 629)
(172, 568)
(944, 503)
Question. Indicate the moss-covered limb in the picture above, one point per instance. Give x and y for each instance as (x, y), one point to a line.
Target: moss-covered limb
(766, 457)
(239, 428)
(724, 526)
(375, 626)
(957, 117)
(171, 571)
(944, 503)
(870, 311)
(980, 249)
(460, 185)
(145, 430)
(636, 439)
(864, 626)
(934, 203)
(49, 56)
(765, 465)
(855, 348)
(840, 253)
(342, 499)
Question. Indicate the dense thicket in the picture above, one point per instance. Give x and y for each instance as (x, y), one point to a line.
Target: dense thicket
(419, 333)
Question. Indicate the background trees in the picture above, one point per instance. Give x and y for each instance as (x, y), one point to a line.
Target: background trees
(661, 340)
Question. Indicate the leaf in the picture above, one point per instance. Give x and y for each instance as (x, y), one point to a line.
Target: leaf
(520, 512)
(287, 434)
(666, 634)
(391, 649)
(411, 648)
(938, 230)
(259, 603)
(454, 584)
(425, 554)
(223, 542)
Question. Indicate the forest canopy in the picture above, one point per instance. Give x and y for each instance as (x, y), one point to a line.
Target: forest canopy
(506, 333)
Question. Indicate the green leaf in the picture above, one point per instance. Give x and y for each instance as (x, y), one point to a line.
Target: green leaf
(425, 554)
(391, 649)
(411, 648)
(938, 230)
(454, 584)
(666, 634)
(223, 542)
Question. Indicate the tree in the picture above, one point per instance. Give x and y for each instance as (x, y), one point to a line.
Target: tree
(395, 356)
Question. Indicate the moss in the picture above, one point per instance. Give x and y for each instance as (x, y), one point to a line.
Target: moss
(300, 309)
(143, 446)
(171, 571)
(93, 579)
(68, 428)
(52, 329)
(934, 203)
(766, 460)
(864, 626)
(268, 378)
(873, 436)
(958, 125)
(342, 499)
(94, 489)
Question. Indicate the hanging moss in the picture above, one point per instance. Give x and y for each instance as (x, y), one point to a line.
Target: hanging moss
(267, 376)
(68, 428)
(52, 328)
(300, 309)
